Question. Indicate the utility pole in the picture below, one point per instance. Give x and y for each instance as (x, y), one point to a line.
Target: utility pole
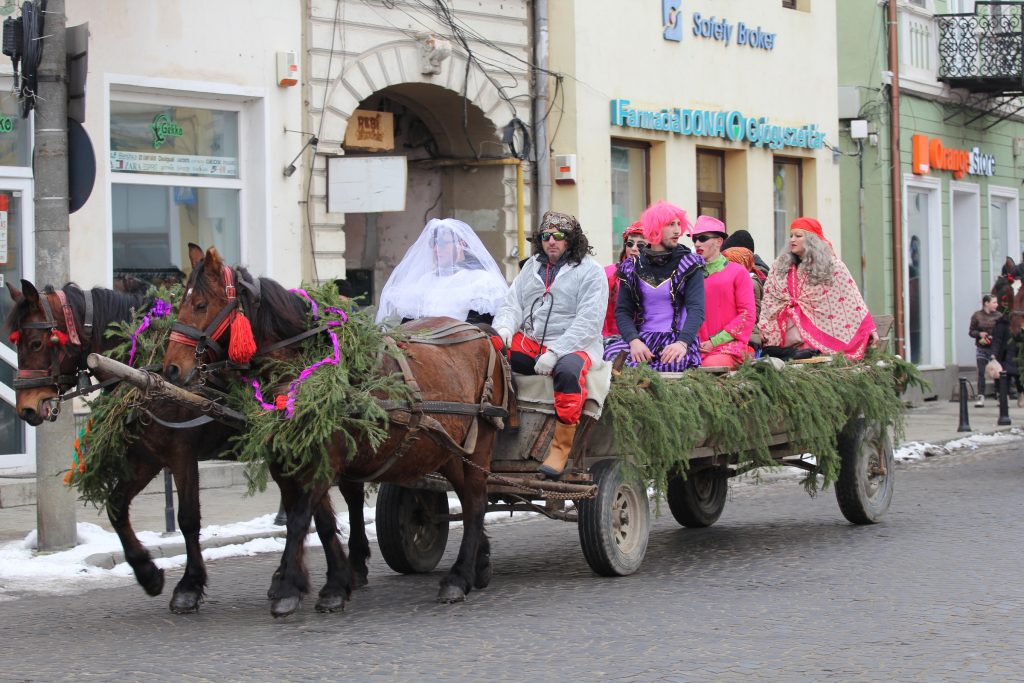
(55, 502)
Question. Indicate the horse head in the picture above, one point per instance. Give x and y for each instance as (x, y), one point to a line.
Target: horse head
(50, 352)
(1010, 296)
(221, 318)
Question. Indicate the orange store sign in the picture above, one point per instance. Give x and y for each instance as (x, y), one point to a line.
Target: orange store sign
(929, 153)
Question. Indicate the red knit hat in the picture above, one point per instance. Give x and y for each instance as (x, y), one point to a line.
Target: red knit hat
(634, 229)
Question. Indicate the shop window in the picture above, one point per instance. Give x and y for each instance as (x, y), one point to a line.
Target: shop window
(787, 191)
(711, 183)
(15, 135)
(1003, 230)
(12, 254)
(154, 218)
(789, 4)
(630, 184)
(924, 276)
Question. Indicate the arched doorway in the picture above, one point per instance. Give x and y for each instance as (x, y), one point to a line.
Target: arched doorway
(438, 132)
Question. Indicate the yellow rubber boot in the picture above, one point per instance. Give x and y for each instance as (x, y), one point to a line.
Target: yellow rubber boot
(558, 451)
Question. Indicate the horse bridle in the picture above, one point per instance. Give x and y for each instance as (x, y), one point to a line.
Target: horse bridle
(207, 340)
(52, 376)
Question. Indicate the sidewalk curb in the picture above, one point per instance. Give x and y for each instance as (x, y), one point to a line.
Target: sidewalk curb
(109, 560)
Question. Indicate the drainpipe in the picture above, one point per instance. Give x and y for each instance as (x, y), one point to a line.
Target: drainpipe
(892, 26)
(542, 150)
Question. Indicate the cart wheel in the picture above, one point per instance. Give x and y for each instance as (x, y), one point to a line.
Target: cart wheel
(698, 500)
(412, 528)
(615, 525)
(866, 475)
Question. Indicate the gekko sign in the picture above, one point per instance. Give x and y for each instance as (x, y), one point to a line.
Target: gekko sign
(729, 125)
(711, 28)
(931, 153)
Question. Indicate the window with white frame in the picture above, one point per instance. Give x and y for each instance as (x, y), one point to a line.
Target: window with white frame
(175, 179)
(1003, 228)
(925, 313)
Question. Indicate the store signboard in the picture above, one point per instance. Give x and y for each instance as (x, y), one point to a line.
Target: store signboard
(371, 130)
(729, 125)
(929, 153)
(177, 164)
(719, 29)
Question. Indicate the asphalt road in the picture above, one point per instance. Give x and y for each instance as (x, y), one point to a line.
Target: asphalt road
(781, 588)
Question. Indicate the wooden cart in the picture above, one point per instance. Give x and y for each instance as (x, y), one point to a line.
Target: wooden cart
(611, 510)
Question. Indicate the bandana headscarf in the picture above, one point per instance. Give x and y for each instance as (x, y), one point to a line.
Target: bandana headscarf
(553, 220)
(810, 225)
(742, 256)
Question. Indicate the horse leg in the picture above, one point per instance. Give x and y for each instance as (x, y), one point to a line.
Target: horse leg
(338, 588)
(138, 558)
(471, 486)
(192, 586)
(358, 543)
(291, 580)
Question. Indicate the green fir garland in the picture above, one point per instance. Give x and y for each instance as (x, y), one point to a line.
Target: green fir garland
(657, 421)
(104, 444)
(335, 401)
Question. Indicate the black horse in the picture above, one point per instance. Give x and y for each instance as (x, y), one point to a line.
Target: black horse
(48, 363)
(461, 370)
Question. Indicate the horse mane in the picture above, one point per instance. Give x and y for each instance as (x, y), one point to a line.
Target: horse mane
(108, 306)
(280, 314)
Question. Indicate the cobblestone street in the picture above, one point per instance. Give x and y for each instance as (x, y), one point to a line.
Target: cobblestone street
(782, 588)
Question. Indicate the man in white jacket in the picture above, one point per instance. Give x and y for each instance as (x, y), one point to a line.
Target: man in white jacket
(551, 322)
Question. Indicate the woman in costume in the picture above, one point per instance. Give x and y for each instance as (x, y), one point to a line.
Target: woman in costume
(745, 258)
(632, 243)
(728, 299)
(811, 303)
(661, 296)
(446, 272)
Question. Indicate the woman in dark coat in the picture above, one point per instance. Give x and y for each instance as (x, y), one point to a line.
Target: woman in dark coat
(1004, 350)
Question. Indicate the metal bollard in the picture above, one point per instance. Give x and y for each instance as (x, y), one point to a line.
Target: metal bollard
(1004, 407)
(168, 501)
(965, 424)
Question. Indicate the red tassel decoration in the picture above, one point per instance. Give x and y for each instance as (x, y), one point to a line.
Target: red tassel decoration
(59, 338)
(242, 346)
(15, 337)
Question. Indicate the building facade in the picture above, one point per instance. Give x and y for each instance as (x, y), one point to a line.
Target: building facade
(714, 105)
(961, 154)
(188, 127)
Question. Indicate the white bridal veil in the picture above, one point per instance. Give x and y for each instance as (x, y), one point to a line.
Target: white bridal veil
(447, 271)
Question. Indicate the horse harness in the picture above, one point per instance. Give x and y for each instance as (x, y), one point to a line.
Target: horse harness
(52, 376)
(416, 415)
(207, 340)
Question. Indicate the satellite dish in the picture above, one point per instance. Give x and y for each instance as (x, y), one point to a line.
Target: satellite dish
(81, 166)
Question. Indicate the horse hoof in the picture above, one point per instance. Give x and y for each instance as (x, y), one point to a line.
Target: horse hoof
(330, 603)
(186, 602)
(449, 594)
(360, 580)
(153, 583)
(282, 607)
(483, 577)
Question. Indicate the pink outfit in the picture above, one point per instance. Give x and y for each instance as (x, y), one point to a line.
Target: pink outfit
(729, 306)
(610, 328)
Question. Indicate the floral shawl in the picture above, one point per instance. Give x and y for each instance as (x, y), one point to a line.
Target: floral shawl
(832, 316)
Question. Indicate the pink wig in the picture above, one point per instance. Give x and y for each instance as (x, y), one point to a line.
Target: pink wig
(658, 215)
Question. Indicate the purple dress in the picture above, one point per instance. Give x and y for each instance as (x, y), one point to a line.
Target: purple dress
(661, 313)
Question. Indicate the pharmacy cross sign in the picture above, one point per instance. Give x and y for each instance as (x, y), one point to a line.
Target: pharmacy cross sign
(163, 127)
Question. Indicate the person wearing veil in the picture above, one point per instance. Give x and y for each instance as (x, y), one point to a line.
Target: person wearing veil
(446, 272)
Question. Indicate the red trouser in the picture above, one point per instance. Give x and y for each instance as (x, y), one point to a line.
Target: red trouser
(569, 375)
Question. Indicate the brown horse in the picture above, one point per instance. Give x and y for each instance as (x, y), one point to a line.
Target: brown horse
(47, 369)
(456, 372)
(1009, 295)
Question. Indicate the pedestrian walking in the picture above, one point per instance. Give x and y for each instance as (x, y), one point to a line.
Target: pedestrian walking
(982, 325)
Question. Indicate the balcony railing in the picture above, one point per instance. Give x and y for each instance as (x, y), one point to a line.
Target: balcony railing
(981, 52)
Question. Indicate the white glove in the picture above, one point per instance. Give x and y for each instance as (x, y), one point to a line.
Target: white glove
(545, 364)
(506, 337)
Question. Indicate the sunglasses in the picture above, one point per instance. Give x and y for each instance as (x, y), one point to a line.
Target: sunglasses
(701, 239)
(558, 236)
(638, 243)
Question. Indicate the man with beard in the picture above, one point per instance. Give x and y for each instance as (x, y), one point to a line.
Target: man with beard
(661, 296)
